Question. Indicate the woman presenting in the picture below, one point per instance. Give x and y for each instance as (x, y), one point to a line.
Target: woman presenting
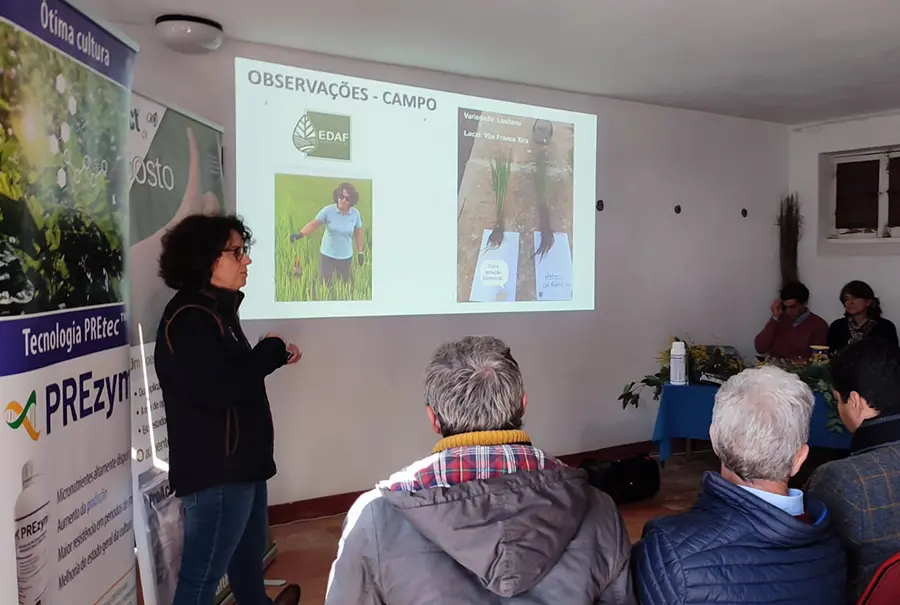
(221, 435)
(343, 229)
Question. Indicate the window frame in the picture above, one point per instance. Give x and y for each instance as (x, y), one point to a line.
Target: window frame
(882, 233)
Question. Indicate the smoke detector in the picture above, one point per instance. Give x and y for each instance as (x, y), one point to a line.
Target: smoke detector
(189, 34)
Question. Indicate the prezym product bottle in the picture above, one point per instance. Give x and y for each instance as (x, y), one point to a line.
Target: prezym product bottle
(32, 555)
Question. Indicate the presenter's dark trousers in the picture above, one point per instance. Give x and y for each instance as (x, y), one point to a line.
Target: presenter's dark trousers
(225, 530)
(329, 268)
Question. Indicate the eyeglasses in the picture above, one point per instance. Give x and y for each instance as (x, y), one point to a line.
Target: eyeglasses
(238, 252)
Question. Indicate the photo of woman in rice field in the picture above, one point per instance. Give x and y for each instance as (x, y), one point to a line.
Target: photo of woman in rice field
(323, 238)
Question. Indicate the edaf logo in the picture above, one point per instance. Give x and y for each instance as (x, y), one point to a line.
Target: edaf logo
(323, 135)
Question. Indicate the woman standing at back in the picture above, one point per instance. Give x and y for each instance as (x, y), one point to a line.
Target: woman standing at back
(862, 318)
(221, 435)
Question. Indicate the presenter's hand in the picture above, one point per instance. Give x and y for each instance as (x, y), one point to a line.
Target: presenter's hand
(296, 236)
(360, 258)
(294, 354)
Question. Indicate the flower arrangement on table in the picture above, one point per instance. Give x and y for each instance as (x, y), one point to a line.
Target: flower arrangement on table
(706, 364)
(713, 364)
(817, 377)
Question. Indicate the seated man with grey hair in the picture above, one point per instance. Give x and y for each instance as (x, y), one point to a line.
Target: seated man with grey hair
(487, 517)
(748, 538)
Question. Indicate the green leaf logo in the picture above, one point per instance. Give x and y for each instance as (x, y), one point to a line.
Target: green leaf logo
(305, 139)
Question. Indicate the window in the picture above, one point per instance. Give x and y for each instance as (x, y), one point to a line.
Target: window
(865, 197)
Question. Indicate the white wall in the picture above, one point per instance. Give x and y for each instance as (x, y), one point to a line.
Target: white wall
(353, 411)
(826, 274)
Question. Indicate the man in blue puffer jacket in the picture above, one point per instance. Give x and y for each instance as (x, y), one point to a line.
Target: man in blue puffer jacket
(748, 539)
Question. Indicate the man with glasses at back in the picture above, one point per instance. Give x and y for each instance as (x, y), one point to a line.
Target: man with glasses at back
(793, 328)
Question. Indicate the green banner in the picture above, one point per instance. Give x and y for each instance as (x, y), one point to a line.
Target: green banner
(175, 169)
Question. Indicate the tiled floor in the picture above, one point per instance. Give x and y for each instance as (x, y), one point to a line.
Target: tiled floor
(307, 548)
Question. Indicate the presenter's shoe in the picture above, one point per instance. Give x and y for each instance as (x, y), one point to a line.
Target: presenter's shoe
(289, 596)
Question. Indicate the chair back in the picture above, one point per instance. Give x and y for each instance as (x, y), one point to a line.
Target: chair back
(884, 589)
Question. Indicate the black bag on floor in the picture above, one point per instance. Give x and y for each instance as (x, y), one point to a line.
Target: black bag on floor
(627, 480)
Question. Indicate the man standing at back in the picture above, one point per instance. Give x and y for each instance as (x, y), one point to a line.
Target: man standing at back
(748, 539)
(862, 492)
(487, 518)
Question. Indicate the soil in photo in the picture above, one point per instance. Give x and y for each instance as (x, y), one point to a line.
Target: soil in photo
(522, 212)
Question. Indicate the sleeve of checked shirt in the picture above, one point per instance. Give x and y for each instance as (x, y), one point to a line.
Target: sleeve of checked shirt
(354, 574)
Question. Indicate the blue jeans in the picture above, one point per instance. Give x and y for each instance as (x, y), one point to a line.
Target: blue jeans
(225, 530)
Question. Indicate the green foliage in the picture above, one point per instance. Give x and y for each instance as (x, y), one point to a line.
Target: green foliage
(501, 165)
(818, 378)
(63, 180)
(298, 199)
(815, 375)
(631, 394)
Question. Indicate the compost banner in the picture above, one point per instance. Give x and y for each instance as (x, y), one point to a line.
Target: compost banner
(66, 502)
(175, 170)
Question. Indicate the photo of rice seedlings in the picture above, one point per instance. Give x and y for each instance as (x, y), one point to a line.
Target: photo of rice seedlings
(515, 175)
(500, 165)
(541, 188)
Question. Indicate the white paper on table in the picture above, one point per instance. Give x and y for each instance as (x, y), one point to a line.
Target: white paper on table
(553, 272)
(496, 270)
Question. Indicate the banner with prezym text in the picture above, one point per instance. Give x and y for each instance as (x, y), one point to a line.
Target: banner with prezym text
(66, 504)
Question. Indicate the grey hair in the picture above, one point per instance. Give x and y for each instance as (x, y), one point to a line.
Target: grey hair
(474, 384)
(760, 421)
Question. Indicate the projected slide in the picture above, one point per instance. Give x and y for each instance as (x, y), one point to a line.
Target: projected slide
(372, 198)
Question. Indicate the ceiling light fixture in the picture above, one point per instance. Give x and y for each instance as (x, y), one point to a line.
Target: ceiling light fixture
(189, 34)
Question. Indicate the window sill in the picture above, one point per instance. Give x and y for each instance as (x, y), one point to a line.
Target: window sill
(845, 239)
(859, 246)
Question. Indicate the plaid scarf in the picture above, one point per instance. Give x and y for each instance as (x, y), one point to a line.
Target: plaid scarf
(455, 465)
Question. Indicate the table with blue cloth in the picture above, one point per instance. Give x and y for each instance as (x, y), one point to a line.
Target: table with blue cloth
(685, 412)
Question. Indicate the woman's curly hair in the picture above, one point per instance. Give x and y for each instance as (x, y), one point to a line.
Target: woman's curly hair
(352, 193)
(191, 248)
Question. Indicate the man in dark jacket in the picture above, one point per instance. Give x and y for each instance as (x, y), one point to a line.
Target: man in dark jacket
(487, 518)
(748, 539)
(862, 492)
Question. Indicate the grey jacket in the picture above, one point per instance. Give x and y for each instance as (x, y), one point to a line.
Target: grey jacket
(861, 493)
(531, 537)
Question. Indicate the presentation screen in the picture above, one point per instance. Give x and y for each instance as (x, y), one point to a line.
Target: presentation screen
(370, 198)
